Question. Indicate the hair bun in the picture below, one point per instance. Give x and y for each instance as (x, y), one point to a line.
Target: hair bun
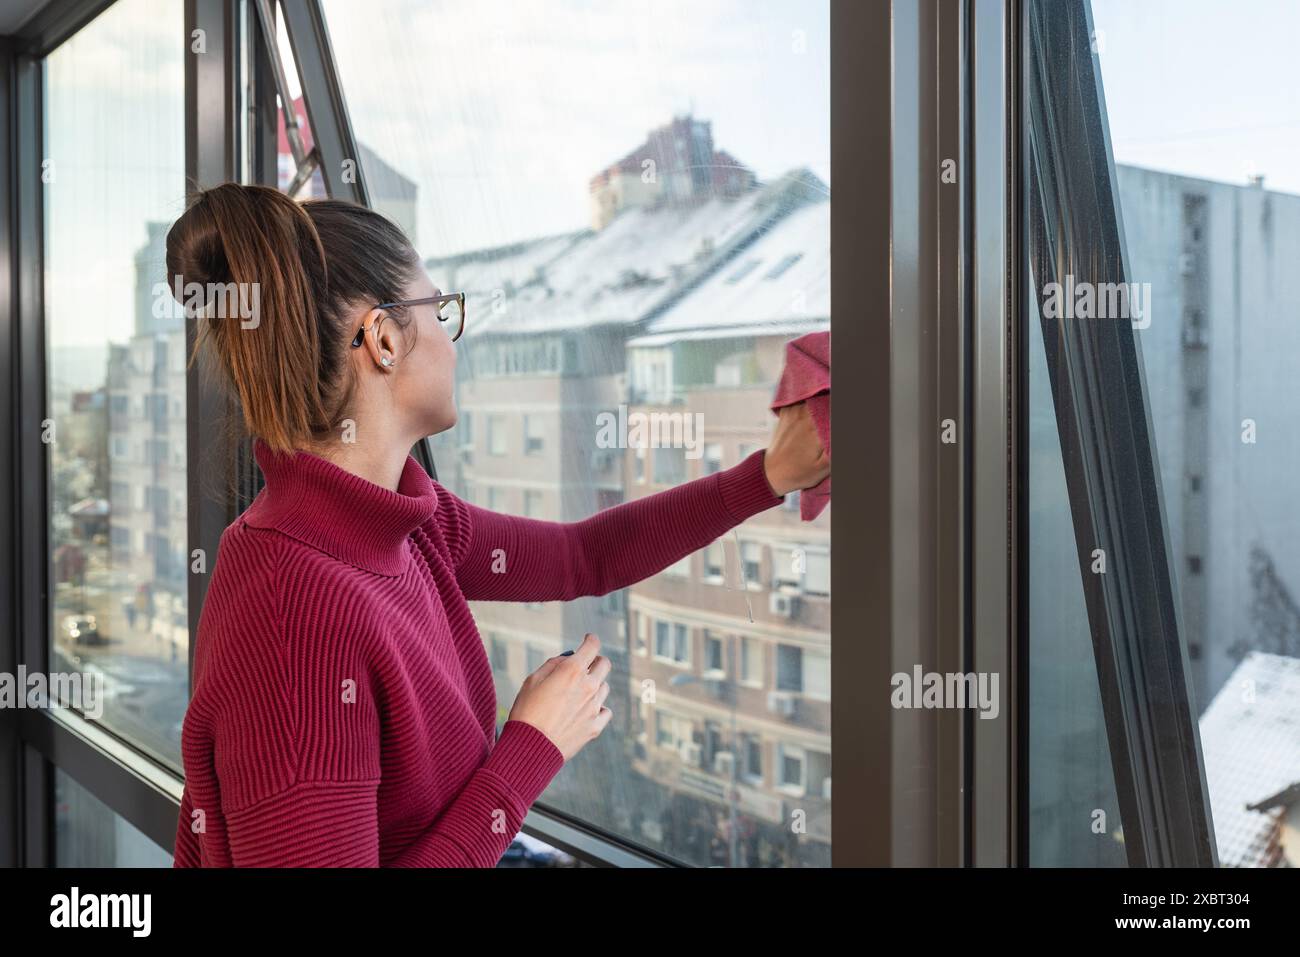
(196, 253)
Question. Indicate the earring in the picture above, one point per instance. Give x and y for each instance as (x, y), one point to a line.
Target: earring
(387, 361)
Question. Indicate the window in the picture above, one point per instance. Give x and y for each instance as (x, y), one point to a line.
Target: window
(712, 458)
(672, 642)
(714, 655)
(790, 766)
(673, 731)
(817, 576)
(613, 285)
(817, 675)
(499, 653)
(789, 668)
(533, 504)
(118, 599)
(751, 563)
(742, 272)
(532, 435)
(714, 563)
(779, 269)
(751, 661)
(497, 443)
(787, 567)
(753, 752)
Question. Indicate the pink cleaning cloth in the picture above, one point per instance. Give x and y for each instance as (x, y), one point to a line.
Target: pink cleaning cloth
(807, 378)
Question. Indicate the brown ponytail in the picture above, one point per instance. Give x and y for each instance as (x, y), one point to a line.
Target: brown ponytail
(295, 271)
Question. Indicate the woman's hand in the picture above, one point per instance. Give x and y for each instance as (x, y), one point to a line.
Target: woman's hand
(795, 458)
(565, 698)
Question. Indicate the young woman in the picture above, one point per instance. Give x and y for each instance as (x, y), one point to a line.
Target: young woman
(343, 711)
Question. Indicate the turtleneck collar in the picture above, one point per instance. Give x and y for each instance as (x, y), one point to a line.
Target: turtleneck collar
(339, 512)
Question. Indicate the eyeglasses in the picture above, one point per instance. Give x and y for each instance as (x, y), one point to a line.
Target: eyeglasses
(451, 310)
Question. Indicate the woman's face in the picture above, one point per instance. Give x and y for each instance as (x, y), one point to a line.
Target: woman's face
(422, 381)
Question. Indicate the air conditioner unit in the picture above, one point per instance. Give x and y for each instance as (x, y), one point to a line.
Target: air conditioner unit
(723, 763)
(783, 605)
(782, 703)
(691, 754)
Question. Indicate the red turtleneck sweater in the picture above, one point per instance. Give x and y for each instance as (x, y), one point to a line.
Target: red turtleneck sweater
(343, 711)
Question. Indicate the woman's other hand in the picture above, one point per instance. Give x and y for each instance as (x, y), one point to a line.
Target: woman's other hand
(795, 458)
(565, 698)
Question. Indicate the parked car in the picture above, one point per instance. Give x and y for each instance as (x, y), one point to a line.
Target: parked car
(83, 629)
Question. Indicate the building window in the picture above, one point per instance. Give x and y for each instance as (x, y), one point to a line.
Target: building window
(751, 661)
(499, 656)
(753, 750)
(714, 564)
(751, 560)
(672, 642)
(790, 762)
(817, 572)
(712, 458)
(786, 572)
(789, 668)
(532, 435)
(714, 659)
(496, 426)
(533, 503)
(817, 675)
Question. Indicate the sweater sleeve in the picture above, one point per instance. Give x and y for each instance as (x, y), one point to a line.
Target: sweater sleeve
(335, 823)
(502, 557)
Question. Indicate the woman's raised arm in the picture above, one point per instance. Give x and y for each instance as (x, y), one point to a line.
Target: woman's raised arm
(508, 558)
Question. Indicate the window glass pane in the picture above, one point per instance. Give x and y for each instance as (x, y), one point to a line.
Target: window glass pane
(1074, 815)
(87, 833)
(1209, 193)
(637, 207)
(115, 180)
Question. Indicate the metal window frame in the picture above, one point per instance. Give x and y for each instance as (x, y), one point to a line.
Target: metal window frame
(34, 743)
(996, 755)
(1074, 225)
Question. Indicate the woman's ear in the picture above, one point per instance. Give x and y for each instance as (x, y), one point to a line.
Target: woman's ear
(381, 338)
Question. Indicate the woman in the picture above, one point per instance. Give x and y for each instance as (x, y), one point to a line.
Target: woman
(343, 711)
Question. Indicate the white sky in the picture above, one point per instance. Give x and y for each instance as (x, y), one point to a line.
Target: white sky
(502, 112)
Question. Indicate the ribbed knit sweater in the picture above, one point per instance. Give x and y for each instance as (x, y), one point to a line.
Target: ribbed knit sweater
(343, 709)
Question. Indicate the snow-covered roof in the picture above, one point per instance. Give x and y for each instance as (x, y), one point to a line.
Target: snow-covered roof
(1250, 736)
(622, 273)
(783, 279)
